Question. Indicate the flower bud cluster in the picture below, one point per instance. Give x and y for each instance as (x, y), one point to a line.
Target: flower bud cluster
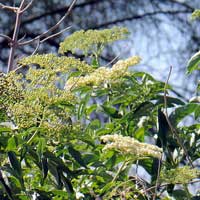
(55, 63)
(181, 175)
(196, 14)
(91, 40)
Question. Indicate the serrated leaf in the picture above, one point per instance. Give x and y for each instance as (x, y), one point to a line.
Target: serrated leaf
(193, 63)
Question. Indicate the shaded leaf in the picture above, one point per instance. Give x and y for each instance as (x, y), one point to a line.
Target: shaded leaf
(77, 156)
(15, 163)
(44, 167)
(163, 129)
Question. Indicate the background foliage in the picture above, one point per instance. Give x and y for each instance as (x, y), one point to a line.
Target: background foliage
(75, 128)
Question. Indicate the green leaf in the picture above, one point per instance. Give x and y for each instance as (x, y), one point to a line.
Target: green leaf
(59, 193)
(11, 146)
(91, 159)
(95, 124)
(44, 167)
(5, 129)
(193, 63)
(163, 129)
(147, 164)
(106, 130)
(90, 109)
(197, 112)
(67, 183)
(41, 147)
(139, 134)
(181, 112)
(82, 105)
(171, 101)
(53, 169)
(77, 156)
(15, 164)
(180, 195)
(112, 112)
(15, 169)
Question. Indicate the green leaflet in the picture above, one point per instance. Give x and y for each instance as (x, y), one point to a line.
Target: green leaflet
(193, 63)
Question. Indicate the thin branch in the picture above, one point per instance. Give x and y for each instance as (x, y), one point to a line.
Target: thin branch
(22, 38)
(173, 130)
(14, 42)
(27, 6)
(113, 60)
(53, 27)
(11, 8)
(6, 37)
(54, 35)
(37, 47)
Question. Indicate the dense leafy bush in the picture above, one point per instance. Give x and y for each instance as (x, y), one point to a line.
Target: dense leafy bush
(72, 129)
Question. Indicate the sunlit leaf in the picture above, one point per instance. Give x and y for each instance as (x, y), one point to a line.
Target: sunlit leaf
(193, 63)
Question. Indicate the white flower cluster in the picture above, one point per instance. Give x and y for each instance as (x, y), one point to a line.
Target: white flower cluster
(131, 146)
(103, 74)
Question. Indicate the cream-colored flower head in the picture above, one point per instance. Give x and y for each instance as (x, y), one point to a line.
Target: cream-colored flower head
(131, 146)
(103, 74)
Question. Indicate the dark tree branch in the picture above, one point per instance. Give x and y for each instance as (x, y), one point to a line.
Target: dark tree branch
(135, 17)
(60, 11)
(15, 36)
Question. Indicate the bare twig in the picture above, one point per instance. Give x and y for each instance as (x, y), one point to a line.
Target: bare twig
(11, 8)
(37, 47)
(22, 38)
(113, 60)
(27, 6)
(14, 42)
(53, 27)
(173, 130)
(6, 37)
(54, 35)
